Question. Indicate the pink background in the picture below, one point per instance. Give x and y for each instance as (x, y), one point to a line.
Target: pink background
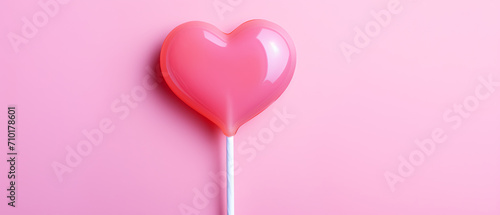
(351, 121)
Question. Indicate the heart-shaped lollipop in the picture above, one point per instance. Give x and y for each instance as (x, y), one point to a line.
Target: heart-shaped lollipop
(228, 78)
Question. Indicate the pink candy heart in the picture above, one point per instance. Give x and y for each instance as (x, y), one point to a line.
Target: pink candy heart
(228, 78)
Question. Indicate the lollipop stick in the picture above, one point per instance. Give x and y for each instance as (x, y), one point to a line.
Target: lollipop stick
(230, 174)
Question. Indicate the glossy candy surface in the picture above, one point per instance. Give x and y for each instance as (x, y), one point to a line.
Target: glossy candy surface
(228, 78)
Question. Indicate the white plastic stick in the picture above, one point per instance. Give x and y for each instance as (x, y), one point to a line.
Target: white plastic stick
(230, 174)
